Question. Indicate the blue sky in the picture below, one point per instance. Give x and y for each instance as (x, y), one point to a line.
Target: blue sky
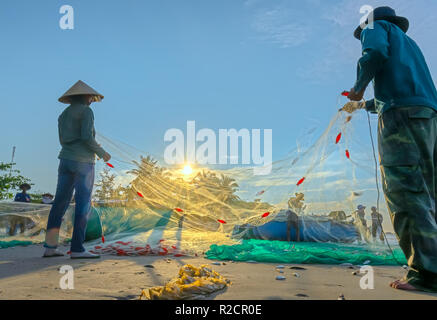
(264, 64)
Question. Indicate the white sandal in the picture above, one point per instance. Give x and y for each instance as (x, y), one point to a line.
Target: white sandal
(50, 253)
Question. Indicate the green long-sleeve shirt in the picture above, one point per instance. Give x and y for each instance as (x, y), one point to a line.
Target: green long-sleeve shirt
(77, 134)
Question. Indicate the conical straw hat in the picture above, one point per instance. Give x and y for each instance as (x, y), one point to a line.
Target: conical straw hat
(80, 88)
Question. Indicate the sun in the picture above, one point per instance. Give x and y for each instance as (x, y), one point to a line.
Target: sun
(187, 170)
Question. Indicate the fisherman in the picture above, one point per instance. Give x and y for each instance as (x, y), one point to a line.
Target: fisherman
(292, 222)
(377, 220)
(294, 204)
(361, 215)
(339, 216)
(18, 221)
(76, 168)
(406, 101)
(47, 198)
(297, 203)
(23, 196)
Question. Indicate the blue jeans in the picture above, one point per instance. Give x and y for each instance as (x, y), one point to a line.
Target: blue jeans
(78, 176)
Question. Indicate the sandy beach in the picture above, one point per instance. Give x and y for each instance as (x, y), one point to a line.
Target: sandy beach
(25, 275)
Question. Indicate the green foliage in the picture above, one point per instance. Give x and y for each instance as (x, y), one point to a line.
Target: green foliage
(10, 180)
(106, 188)
(35, 197)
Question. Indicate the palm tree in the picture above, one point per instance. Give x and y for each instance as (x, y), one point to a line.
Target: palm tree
(148, 178)
(146, 167)
(228, 187)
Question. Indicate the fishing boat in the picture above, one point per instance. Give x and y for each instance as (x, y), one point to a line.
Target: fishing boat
(311, 229)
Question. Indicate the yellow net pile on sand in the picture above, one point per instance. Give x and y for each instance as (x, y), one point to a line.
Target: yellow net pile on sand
(191, 283)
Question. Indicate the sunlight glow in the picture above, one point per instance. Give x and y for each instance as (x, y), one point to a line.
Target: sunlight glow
(187, 170)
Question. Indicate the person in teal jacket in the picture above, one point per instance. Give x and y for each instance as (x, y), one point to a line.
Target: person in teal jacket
(76, 169)
(406, 101)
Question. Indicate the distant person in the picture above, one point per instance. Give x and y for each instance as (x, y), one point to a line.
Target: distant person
(292, 222)
(294, 204)
(339, 216)
(47, 198)
(76, 169)
(23, 196)
(361, 223)
(18, 221)
(15, 222)
(377, 220)
(361, 215)
(406, 101)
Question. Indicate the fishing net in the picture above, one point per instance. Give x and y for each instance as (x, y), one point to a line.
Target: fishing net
(306, 253)
(191, 283)
(14, 243)
(309, 198)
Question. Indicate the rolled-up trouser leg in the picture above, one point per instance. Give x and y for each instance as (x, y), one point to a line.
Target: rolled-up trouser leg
(407, 147)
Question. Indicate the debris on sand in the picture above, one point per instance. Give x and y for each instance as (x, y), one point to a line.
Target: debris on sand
(280, 278)
(149, 266)
(302, 295)
(191, 283)
(341, 297)
(346, 265)
(297, 268)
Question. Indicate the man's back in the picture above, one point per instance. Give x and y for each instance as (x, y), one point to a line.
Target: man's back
(403, 78)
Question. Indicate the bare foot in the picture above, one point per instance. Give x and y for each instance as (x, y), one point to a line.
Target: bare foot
(402, 285)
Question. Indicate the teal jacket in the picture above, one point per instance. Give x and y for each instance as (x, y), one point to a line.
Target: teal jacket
(397, 67)
(77, 134)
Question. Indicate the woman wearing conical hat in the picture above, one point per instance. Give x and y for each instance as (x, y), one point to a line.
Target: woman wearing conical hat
(76, 168)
